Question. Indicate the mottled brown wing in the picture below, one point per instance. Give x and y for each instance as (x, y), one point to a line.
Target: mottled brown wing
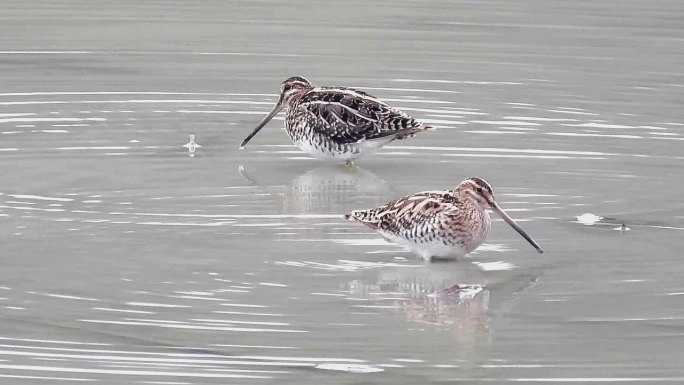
(350, 116)
(408, 213)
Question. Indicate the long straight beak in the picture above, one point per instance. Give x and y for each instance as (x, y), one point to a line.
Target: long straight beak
(274, 112)
(514, 225)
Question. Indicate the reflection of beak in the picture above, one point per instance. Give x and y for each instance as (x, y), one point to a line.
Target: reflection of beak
(279, 106)
(514, 225)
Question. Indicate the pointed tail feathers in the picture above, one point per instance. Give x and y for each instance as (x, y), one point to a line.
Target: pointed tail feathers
(410, 133)
(362, 216)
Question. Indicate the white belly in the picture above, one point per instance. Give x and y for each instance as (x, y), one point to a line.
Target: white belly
(342, 153)
(428, 250)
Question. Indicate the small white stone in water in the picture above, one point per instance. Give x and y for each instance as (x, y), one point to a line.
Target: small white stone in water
(588, 219)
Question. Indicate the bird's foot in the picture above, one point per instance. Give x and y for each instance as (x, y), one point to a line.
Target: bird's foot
(349, 164)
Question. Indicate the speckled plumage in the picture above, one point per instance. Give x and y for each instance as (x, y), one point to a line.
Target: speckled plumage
(437, 224)
(339, 122)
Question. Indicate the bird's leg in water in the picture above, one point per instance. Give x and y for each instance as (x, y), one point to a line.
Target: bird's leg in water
(349, 164)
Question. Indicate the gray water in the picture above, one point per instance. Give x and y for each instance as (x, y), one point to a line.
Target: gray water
(125, 260)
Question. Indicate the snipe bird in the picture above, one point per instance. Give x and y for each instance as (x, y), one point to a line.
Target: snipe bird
(337, 122)
(439, 224)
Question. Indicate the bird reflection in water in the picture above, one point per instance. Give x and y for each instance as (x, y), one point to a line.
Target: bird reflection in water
(327, 189)
(429, 295)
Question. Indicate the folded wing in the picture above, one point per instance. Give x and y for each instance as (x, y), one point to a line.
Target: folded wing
(409, 214)
(350, 116)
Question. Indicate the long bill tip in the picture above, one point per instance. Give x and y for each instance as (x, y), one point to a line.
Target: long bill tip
(517, 227)
(263, 122)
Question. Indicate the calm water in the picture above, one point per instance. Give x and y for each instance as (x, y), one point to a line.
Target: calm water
(126, 261)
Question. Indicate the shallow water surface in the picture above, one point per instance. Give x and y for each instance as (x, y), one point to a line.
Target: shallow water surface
(129, 258)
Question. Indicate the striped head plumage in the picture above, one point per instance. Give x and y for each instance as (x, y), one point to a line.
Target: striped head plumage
(291, 91)
(478, 191)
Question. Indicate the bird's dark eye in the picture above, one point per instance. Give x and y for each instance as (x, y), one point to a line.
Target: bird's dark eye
(287, 88)
(479, 190)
